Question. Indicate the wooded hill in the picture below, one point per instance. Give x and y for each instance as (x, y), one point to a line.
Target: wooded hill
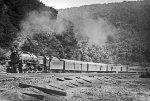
(131, 19)
(12, 12)
(109, 33)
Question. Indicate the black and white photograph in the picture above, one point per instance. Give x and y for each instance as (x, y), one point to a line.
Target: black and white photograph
(74, 50)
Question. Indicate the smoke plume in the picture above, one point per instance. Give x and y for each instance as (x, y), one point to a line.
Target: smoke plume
(96, 30)
(35, 22)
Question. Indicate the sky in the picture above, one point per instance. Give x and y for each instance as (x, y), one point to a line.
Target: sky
(61, 4)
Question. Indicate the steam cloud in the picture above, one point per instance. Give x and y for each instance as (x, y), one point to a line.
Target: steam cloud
(35, 22)
(96, 30)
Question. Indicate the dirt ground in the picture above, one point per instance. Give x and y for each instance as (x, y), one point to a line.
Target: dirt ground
(126, 87)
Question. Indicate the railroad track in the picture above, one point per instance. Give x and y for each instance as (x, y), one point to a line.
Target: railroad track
(12, 76)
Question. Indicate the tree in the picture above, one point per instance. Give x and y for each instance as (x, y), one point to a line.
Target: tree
(68, 41)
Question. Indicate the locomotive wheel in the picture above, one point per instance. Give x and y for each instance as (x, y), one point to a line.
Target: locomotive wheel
(39, 68)
(25, 68)
(32, 68)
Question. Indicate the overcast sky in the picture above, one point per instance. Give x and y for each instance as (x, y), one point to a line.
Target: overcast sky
(58, 4)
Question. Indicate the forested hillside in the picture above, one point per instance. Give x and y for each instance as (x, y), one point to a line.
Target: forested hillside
(124, 27)
(110, 33)
(13, 14)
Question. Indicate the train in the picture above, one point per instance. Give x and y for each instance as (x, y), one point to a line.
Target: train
(23, 62)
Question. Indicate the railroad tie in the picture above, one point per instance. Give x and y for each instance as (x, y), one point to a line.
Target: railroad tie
(37, 96)
(73, 84)
(79, 82)
(67, 78)
(45, 90)
(84, 79)
(56, 87)
(59, 79)
(1, 90)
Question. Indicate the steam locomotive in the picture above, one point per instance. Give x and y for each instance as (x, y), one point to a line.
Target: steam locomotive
(22, 62)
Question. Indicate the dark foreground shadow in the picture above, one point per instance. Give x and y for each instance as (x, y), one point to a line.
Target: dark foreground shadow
(40, 97)
(1, 90)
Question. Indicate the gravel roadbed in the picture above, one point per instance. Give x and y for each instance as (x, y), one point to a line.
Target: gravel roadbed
(77, 88)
